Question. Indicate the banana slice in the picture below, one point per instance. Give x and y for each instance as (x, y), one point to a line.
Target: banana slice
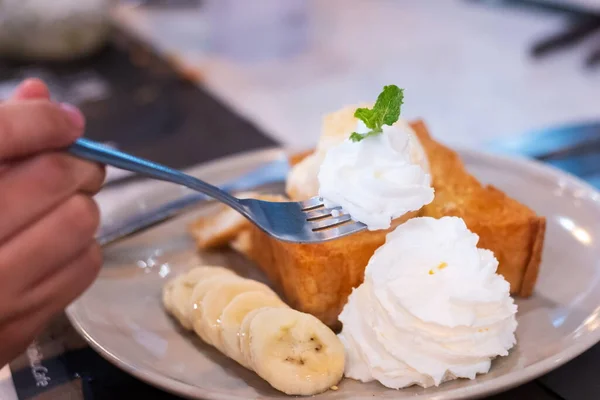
(194, 305)
(167, 293)
(233, 316)
(217, 299)
(244, 337)
(180, 297)
(295, 352)
(197, 274)
(182, 289)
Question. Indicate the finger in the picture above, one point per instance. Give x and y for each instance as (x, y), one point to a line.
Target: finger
(18, 333)
(59, 289)
(32, 126)
(30, 89)
(38, 306)
(35, 186)
(4, 168)
(93, 186)
(39, 250)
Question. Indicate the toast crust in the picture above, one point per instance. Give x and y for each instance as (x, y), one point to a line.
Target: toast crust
(533, 266)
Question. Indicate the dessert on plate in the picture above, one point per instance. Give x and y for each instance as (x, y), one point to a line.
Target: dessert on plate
(318, 278)
(424, 294)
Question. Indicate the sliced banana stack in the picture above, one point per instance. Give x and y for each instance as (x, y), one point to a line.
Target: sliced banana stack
(295, 352)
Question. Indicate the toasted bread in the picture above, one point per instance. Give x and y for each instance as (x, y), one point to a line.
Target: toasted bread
(318, 278)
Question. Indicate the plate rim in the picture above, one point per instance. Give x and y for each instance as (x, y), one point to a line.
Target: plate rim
(499, 384)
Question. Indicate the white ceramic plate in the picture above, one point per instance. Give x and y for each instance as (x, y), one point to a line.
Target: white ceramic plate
(122, 318)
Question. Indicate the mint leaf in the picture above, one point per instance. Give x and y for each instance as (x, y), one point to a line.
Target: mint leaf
(367, 116)
(386, 111)
(357, 137)
(388, 104)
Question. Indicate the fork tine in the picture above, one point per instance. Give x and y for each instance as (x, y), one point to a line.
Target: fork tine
(311, 204)
(330, 222)
(323, 212)
(340, 231)
(316, 214)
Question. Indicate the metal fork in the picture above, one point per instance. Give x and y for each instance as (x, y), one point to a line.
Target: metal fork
(299, 222)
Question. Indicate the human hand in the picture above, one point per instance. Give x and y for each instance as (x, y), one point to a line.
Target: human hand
(48, 255)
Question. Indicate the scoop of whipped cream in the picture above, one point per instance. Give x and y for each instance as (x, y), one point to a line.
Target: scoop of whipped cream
(432, 308)
(378, 179)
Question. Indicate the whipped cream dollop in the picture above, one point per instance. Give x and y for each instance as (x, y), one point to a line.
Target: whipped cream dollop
(432, 308)
(378, 179)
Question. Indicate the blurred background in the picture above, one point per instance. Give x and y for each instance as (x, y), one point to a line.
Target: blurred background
(481, 73)
(186, 81)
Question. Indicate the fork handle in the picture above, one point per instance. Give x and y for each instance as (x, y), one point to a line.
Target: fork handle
(93, 151)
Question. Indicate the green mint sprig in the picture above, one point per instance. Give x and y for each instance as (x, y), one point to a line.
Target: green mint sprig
(386, 111)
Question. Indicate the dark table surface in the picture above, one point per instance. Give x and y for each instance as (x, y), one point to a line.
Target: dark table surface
(151, 111)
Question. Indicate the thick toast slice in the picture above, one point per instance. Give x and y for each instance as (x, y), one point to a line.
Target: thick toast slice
(318, 278)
